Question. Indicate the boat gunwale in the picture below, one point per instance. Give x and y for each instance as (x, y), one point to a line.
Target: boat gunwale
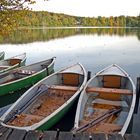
(130, 113)
(37, 125)
(16, 56)
(14, 66)
(36, 73)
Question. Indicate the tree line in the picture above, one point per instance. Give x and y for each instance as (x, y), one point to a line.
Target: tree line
(12, 19)
(44, 18)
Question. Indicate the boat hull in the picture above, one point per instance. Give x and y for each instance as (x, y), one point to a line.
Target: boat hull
(55, 86)
(22, 63)
(25, 82)
(112, 77)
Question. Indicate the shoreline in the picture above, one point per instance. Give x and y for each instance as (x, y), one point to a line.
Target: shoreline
(72, 27)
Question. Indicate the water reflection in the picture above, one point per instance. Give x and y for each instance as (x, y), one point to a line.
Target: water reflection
(32, 35)
(94, 48)
(93, 51)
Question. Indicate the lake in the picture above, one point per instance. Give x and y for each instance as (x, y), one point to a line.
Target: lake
(95, 48)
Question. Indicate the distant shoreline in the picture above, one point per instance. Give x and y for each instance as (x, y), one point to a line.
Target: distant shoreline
(73, 27)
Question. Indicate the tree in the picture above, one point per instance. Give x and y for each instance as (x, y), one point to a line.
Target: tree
(9, 13)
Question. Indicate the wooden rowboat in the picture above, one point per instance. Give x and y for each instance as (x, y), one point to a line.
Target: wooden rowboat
(107, 102)
(2, 55)
(46, 102)
(25, 76)
(13, 62)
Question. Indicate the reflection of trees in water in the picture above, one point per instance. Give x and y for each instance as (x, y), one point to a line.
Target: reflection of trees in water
(32, 35)
(138, 34)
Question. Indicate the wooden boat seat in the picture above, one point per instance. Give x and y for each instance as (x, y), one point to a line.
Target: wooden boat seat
(14, 61)
(108, 128)
(109, 90)
(108, 102)
(70, 79)
(64, 88)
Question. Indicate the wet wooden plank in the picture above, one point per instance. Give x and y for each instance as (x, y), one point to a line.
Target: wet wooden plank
(99, 136)
(5, 134)
(81, 136)
(17, 135)
(115, 137)
(108, 90)
(33, 135)
(2, 129)
(131, 137)
(65, 136)
(10, 134)
(49, 135)
(63, 88)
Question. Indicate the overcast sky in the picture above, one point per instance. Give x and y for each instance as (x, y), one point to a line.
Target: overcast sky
(90, 7)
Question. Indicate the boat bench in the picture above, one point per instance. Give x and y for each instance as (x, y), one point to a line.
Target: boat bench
(14, 61)
(63, 89)
(110, 103)
(109, 90)
(66, 88)
(108, 127)
(93, 89)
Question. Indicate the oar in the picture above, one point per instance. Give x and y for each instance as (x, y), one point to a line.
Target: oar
(38, 92)
(97, 120)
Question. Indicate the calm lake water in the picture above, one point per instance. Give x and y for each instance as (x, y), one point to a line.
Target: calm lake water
(95, 48)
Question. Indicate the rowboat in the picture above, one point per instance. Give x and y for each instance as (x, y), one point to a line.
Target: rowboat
(2, 55)
(48, 101)
(106, 104)
(13, 62)
(25, 76)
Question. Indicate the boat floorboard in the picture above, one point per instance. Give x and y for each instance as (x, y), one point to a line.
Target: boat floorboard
(42, 107)
(93, 110)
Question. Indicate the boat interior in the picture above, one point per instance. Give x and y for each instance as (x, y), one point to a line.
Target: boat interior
(14, 61)
(15, 75)
(10, 62)
(47, 98)
(22, 72)
(106, 104)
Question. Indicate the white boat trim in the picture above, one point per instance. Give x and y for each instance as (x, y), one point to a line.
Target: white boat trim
(130, 114)
(54, 58)
(35, 126)
(20, 56)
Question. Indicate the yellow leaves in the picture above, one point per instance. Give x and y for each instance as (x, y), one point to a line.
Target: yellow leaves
(8, 18)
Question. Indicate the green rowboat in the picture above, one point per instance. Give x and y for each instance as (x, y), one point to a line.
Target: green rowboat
(25, 76)
(47, 101)
(12, 63)
(2, 54)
